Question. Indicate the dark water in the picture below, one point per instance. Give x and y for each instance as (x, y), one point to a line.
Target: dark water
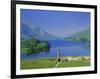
(67, 48)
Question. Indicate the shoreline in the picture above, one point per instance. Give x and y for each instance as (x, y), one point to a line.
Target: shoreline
(86, 57)
(69, 61)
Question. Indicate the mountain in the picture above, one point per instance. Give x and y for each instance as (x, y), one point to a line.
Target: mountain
(83, 36)
(30, 31)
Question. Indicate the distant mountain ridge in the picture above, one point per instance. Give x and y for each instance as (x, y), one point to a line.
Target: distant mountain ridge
(30, 31)
(83, 36)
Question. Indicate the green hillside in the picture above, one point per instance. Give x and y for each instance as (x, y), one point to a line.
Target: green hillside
(83, 36)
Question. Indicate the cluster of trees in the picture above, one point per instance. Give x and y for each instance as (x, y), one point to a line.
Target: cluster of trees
(32, 45)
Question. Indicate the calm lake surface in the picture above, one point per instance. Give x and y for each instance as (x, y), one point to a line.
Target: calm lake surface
(67, 48)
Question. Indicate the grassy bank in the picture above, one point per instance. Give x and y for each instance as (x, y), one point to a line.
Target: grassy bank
(38, 63)
(51, 63)
(74, 63)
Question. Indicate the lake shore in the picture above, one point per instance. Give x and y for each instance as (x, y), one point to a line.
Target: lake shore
(75, 58)
(67, 61)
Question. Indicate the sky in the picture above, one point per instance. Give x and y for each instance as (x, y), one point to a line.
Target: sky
(58, 23)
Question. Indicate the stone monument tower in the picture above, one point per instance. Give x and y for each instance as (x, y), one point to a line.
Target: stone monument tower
(58, 55)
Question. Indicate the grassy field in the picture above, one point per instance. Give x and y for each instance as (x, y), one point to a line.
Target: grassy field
(51, 63)
(38, 63)
(74, 63)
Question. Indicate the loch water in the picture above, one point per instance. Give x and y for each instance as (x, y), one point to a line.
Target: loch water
(67, 48)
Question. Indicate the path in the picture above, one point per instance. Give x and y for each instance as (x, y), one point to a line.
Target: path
(58, 64)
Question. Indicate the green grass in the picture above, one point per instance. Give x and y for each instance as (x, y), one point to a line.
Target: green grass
(38, 63)
(75, 63)
(51, 63)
